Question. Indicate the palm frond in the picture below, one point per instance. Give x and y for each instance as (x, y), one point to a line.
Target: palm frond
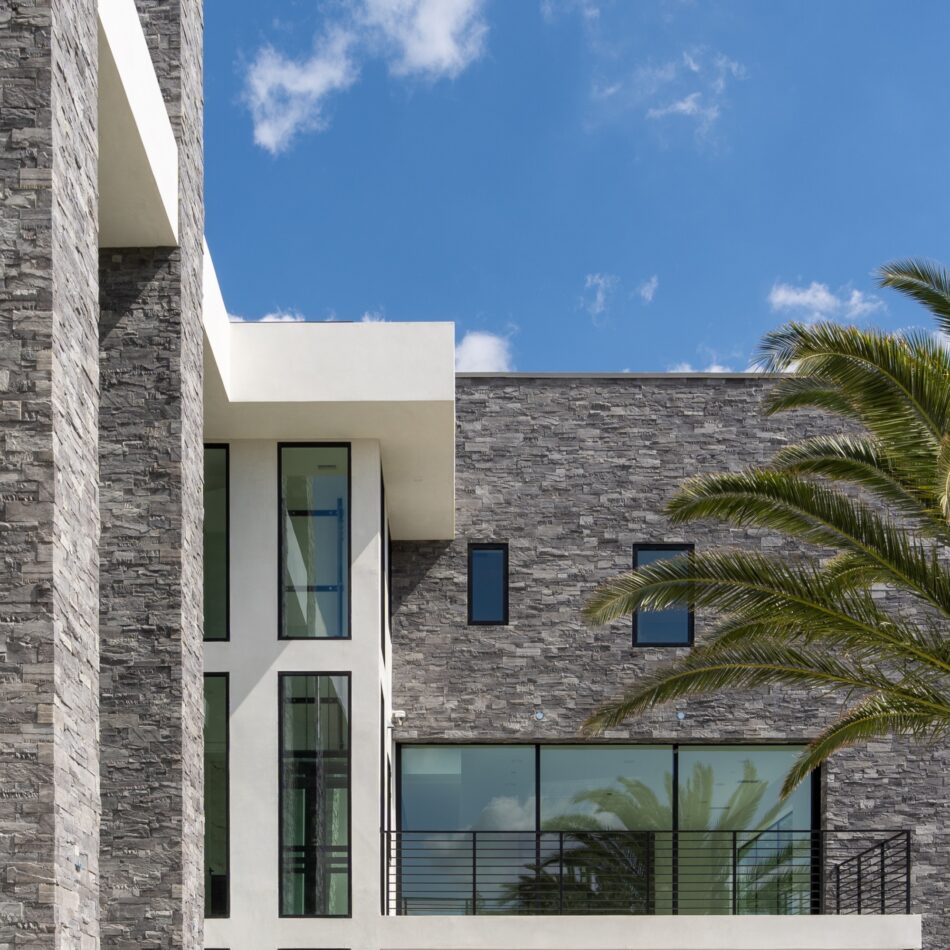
(926, 282)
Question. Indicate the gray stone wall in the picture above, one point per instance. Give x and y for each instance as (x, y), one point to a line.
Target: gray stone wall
(572, 472)
(49, 800)
(151, 473)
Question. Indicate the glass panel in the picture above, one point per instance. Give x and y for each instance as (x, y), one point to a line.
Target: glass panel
(725, 789)
(488, 582)
(608, 796)
(315, 795)
(453, 791)
(315, 541)
(216, 543)
(216, 795)
(661, 627)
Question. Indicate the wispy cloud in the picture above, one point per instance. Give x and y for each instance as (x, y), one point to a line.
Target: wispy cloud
(275, 316)
(482, 352)
(429, 39)
(373, 316)
(817, 301)
(599, 290)
(690, 368)
(647, 290)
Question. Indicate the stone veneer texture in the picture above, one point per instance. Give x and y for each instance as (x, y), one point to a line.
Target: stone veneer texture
(151, 474)
(49, 781)
(572, 472)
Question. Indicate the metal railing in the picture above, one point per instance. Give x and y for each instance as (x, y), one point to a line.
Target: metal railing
(766, 871)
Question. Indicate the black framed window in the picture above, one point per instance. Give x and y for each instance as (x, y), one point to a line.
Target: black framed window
(672, 627)
(217, 821)
(488, 583)
(314, 540)
(216, 531)
(314, 795)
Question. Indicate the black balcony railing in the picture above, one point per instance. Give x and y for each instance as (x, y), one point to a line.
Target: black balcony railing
(770, 871)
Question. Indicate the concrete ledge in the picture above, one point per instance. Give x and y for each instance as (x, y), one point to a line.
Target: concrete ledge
(652, 933)
(138, 156)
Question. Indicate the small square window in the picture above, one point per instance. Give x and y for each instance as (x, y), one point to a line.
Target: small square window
(672, 627)
(488, 584)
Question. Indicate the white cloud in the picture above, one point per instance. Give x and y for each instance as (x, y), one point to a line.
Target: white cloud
(713, 367)
(483, 352)
(373, 316)
(287, 97)
(817, 301)
(601, 288)
(430, 38)
(647, 290)
(275, 316)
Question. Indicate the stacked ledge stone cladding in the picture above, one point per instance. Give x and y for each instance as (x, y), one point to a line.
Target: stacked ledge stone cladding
(572, 472)
(100, 421)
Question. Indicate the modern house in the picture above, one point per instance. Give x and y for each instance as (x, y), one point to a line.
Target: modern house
(291, 647)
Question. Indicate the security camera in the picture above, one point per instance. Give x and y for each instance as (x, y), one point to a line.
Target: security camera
(398, 717)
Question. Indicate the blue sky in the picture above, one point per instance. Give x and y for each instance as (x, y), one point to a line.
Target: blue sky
(581, 185)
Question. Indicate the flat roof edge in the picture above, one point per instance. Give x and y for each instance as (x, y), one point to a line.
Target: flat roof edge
(630, 376)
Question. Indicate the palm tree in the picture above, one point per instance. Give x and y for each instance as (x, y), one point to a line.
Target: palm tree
(877, 498)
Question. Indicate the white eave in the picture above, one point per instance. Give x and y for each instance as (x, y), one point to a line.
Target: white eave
(391, 382)
(138, 156)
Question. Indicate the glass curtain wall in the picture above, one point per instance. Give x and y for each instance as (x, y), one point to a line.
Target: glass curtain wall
(315, 541)
(216, 794)
(216, 543)
(602, 829)
(314, 795)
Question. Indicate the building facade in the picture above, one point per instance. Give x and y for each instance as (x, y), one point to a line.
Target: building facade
(291, 646)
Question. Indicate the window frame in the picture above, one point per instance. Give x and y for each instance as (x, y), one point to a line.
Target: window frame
(349, 538)
(685, 547)
(227, 788)
(227, 544)
(489, 546)
(280, 793)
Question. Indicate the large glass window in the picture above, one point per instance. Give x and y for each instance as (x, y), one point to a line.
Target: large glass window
(314, 541)
(216, 794)
(216, 543)
(602, 829)
(315, 795)
(488, 583)
(672, 627)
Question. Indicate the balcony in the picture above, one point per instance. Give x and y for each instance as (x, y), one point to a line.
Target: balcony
(772, 871)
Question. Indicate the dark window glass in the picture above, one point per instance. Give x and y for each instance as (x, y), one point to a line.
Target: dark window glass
(216, 795)
(315, 795)
(216, 543)
(664, 628)
(488, 583)
(315, 541)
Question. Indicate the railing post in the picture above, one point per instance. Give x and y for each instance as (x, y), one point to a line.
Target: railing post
(735, 874)
(474, 873)
(883, 891)
(860, 882)
(906, 872)
(837, 888)
(560, 873)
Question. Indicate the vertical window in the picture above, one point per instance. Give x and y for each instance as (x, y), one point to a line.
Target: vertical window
(383, 568)
(314, 541)
(661, 628)
(216, 543)
(216, 794)
(488, 583)
(314, 795)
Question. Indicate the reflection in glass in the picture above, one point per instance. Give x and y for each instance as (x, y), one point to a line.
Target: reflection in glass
(667, 627)
(216, 794)
(216, 543)
(314, 499)
(315, 795)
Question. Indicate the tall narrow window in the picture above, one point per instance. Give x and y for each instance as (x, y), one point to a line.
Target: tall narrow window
(314, 541)
(314, 795)
(661, 628)
(216, 543)
(216, 795)
(488, 583)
